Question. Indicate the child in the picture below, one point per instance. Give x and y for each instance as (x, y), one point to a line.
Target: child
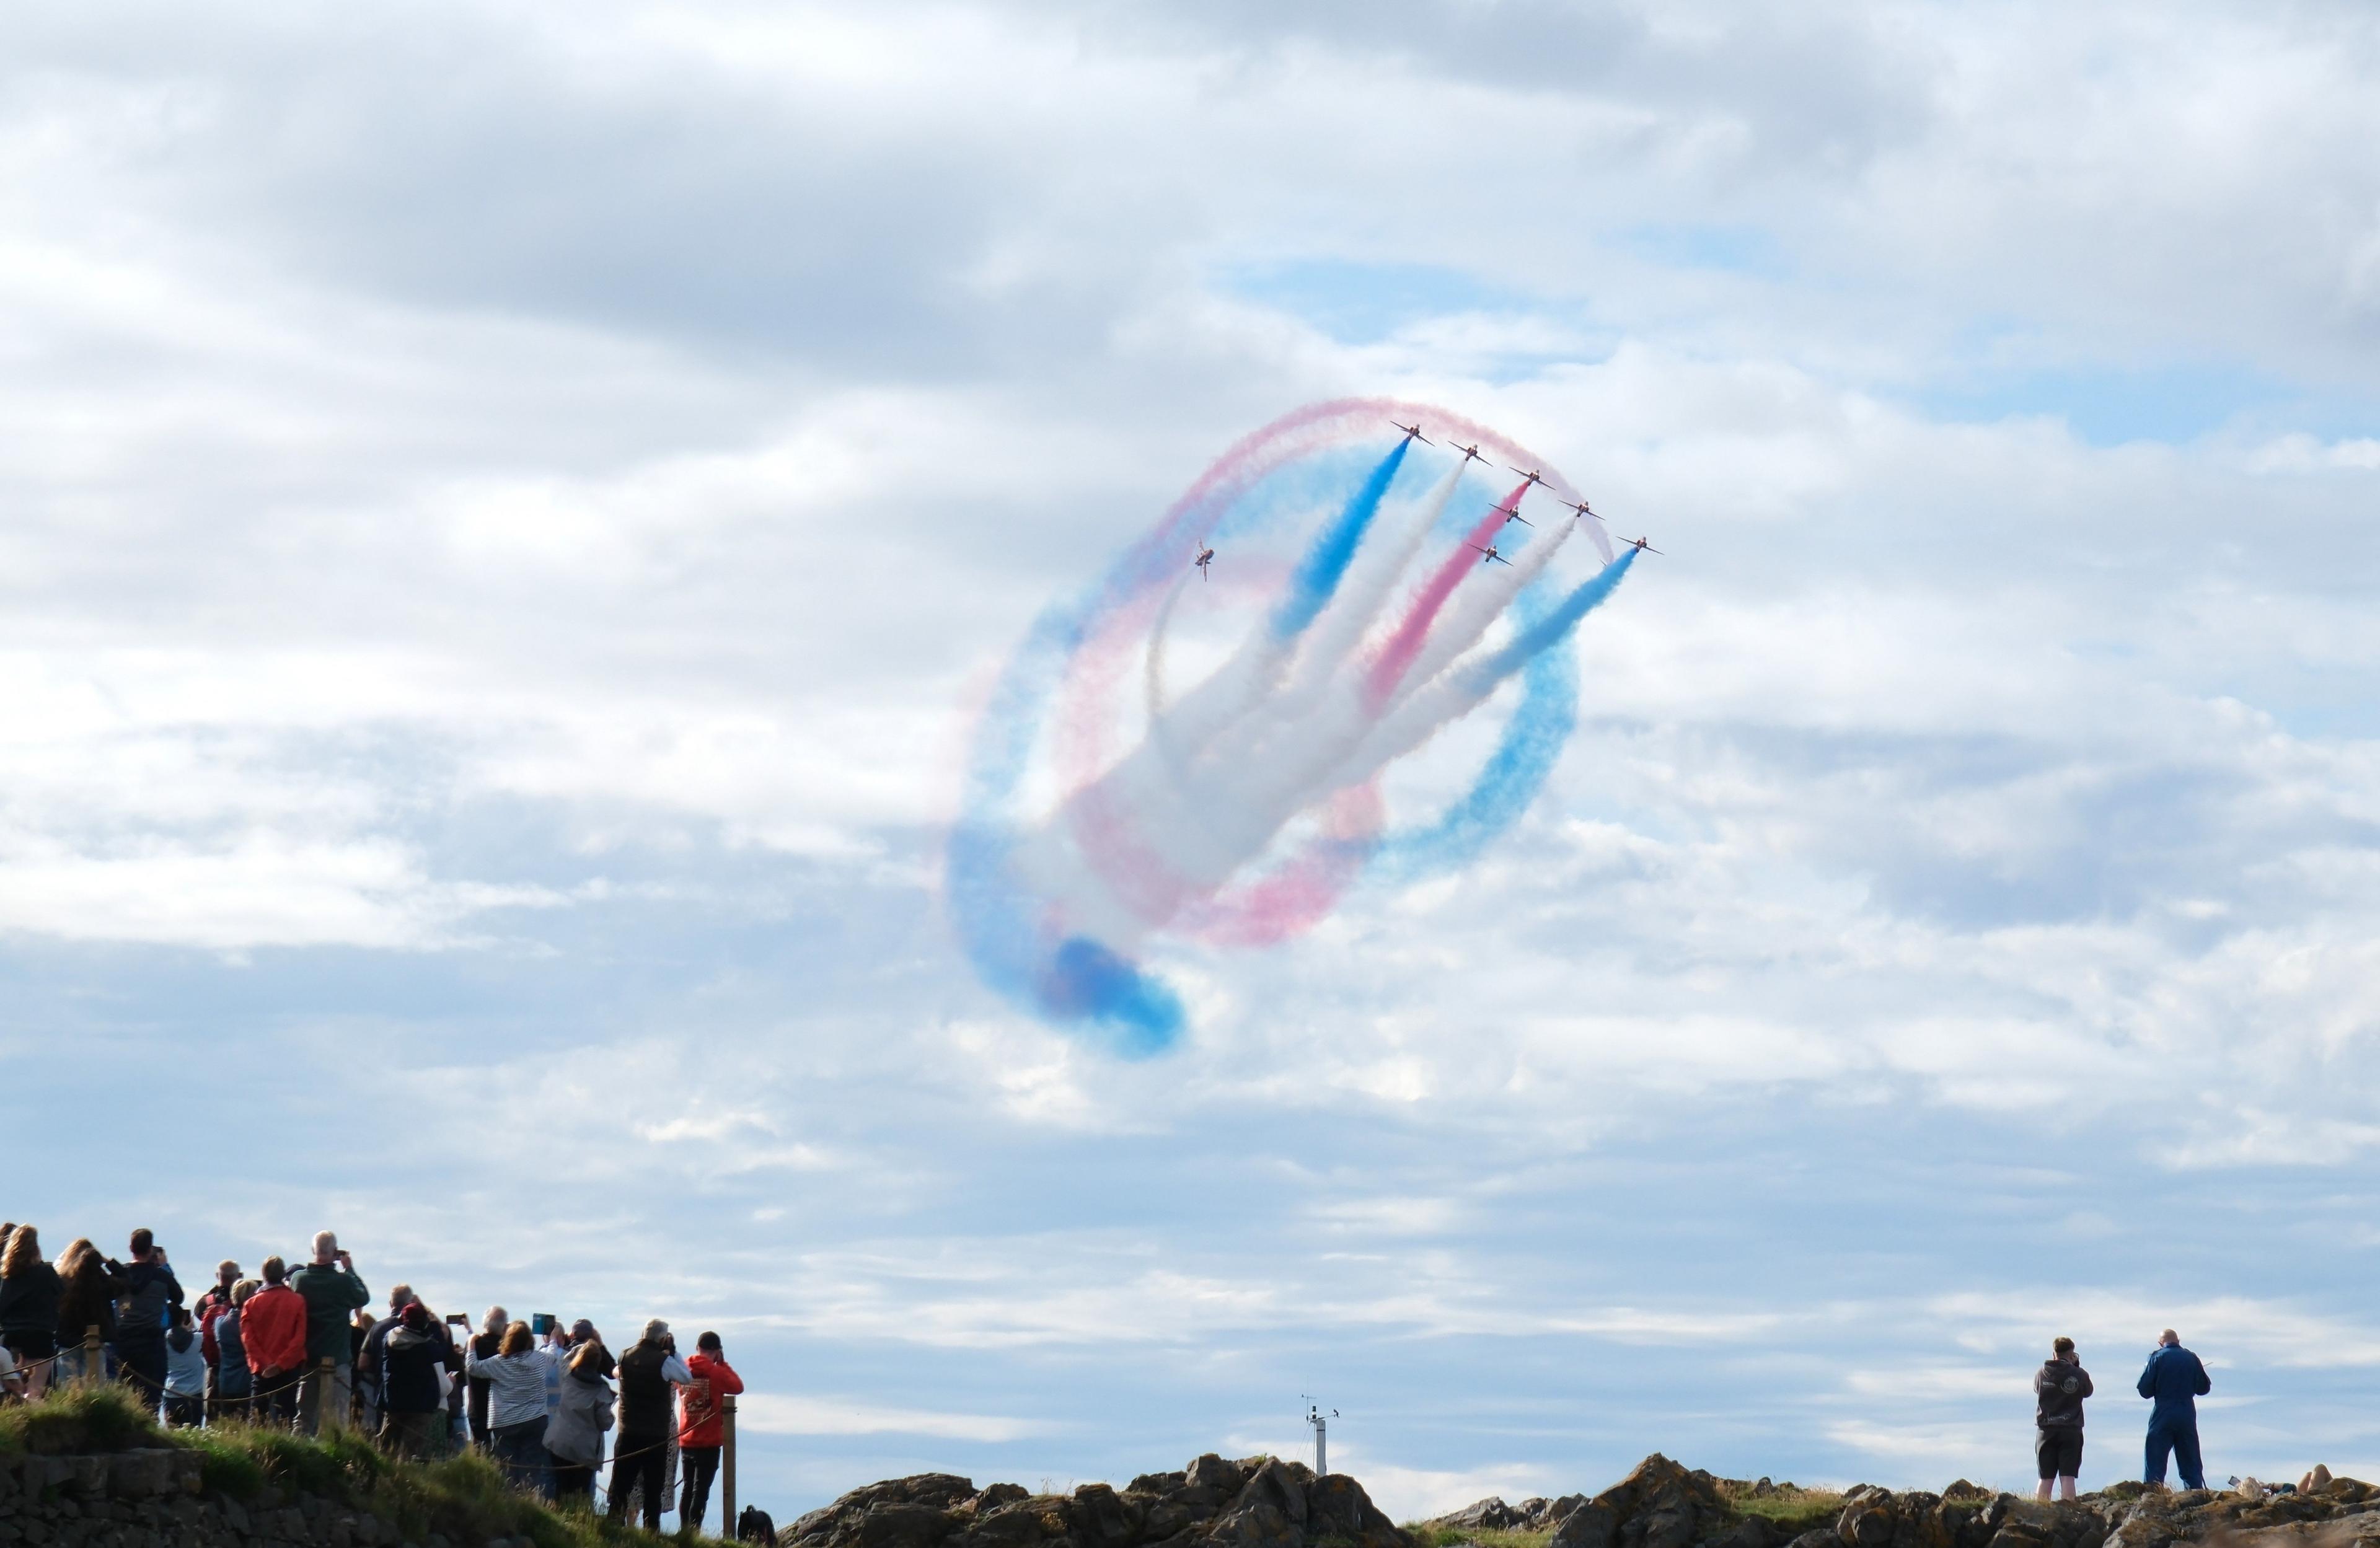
(186, 1372)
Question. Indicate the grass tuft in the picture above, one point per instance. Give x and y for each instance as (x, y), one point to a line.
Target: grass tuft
(1447, 1536)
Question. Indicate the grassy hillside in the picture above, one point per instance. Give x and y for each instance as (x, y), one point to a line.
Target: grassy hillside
(461, 1498)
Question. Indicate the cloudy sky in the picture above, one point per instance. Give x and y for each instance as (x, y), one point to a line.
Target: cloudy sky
(507, 511)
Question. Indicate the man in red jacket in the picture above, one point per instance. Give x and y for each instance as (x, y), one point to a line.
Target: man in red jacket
(272, 1330)
(698, 1430)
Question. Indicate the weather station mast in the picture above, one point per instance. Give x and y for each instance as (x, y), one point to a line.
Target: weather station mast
(1321, 1422)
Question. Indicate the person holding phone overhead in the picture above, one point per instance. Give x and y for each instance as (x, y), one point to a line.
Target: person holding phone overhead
(648, 1370)
(333, 1291)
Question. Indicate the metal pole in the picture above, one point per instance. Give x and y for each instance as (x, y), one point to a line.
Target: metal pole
(1321, 1446)
(727, 1466)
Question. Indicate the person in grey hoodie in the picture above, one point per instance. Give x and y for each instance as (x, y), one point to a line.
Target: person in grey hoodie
(575, 1435)
(2058, 1388)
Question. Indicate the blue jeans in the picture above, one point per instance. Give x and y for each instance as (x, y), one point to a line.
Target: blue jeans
(520, 1451)
(2180, 1437)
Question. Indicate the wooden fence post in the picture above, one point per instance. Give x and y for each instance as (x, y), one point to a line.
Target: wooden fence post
(93, 1366)
(727, 1466)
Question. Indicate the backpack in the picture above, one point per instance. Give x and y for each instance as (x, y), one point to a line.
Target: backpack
(755, 1526)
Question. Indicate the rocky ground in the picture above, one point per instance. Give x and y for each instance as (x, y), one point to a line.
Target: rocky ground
(1662, 1505)
(1261, 1502)
(1257, 1502)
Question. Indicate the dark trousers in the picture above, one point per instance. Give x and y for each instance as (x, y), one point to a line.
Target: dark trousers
(699, 1465)
(639, 1459)
(520, 1451)
(276, 1399)
(2180, 1437)
(183, 1409)
(573, 1482)
(143, 1366)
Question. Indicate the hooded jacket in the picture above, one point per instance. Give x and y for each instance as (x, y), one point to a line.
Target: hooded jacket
(2058, 1388)
(698, 1413)
(2175, 1379)
(272, 1329)
(186, 1363)
(143, 1294)
(575, 1431)
(410, 1361)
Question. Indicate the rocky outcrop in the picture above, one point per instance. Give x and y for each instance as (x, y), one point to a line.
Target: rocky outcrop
(1257, 1502)
(1662, 1505)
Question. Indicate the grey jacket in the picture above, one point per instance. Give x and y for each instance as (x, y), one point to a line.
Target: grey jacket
(575, 1433)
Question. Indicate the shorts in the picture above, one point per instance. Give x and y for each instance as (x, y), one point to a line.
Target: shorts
(30, 1347)
(2060, 1452)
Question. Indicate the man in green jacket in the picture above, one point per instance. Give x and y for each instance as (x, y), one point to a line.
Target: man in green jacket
(333, 1291)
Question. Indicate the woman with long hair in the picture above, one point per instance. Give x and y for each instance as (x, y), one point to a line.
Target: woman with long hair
(516, 1377)
(86, 1300)
(28, 1306)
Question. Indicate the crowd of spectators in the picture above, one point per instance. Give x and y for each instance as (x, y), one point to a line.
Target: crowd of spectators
(305, 1349)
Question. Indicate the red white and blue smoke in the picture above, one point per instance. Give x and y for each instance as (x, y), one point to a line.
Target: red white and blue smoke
(1109, 808)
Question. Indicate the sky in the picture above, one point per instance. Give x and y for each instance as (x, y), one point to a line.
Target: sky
(509, 513)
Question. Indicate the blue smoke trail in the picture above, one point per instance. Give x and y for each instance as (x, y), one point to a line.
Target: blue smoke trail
(1325, 565)
(1513, 774)
(1550, 629)
(1533, 739)
(996, 918)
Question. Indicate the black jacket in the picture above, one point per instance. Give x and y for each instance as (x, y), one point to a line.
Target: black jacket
(146, 1290)
(2058, 1388)
(644, 1391)
(29, 1299)
(410, 1365)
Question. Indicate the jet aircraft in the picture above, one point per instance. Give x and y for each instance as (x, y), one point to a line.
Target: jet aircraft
(1470, 452)
(1533, 475)
(1413, 432)
(1206, 557)
(1491, 552)
(1640, 545)
(1580, 506)
(1513, 513)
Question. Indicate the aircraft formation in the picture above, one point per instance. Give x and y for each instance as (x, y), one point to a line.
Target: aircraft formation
(1511, 513)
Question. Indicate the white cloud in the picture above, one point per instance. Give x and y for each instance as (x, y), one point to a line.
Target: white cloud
(506, 515)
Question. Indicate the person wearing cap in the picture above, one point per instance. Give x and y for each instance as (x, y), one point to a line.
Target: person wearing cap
(411, 1357)
(212, 1305)
(648, 1370)
(700, 1432)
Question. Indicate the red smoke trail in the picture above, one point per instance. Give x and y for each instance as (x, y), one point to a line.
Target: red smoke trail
(1398, 654)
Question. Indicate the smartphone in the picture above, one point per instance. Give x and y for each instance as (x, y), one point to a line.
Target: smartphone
(541, 1323)
(457, 1319)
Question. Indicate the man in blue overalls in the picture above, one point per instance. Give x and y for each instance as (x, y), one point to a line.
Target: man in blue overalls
(2174, 1380)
